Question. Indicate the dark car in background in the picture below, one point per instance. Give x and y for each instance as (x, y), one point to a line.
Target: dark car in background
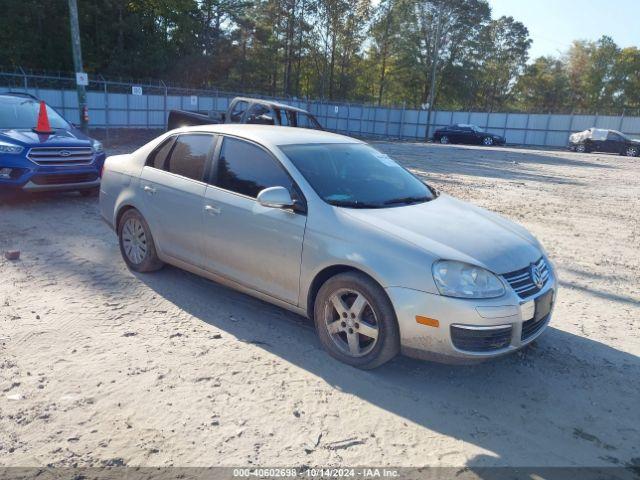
(603, 140)
(247, 110)
(468, 134)
(60, 157)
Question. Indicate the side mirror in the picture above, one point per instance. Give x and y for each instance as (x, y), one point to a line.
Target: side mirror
(275, 197)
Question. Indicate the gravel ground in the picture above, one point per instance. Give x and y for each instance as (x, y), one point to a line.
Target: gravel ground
(100, 366)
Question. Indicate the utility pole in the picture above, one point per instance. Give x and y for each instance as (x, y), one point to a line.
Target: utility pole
(434, 65)
(77, 63)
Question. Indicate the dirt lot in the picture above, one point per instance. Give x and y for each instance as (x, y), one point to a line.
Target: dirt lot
(99, 366)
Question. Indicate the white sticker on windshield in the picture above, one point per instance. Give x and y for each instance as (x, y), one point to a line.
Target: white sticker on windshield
(386, 159)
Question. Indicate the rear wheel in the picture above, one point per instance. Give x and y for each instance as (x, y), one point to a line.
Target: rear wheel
(487, 141)
(136, 243)
(581, 148)
(355, 321)
(631, 151)
(444, 140)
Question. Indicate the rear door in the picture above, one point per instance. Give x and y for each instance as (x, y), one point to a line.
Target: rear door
(260, 114)
(173, 189)
(614, 143)
(255, 246)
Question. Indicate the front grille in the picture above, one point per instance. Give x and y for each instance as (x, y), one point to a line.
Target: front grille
(481, 339)
(61, 156)
(64, 179)
(533, 326)
(522, 281)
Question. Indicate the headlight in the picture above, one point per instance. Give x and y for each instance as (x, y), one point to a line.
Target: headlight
(462, 280)
(6, 147)
(97, 146)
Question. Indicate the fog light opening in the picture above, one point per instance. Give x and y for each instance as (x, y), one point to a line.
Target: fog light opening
(6, 173)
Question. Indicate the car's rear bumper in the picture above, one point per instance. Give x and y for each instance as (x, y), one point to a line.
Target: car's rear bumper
(453, 330)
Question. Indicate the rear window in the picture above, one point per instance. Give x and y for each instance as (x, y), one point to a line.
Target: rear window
(21, 113)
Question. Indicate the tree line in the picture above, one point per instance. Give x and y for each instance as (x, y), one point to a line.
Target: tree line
(342, 50)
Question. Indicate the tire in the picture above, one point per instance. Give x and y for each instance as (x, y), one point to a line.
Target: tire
(487, 141)
(631, 151)
(90, 192)
(376, 316)
(444, 140)
(581, 148)
(132, 225)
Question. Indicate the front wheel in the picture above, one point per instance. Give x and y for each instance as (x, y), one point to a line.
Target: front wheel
(355, 321)
(631, 151)
(487, 141)
(136, 243)
(581, 148)
(444, 140)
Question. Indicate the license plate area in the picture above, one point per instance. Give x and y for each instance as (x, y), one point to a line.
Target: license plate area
(543, 305)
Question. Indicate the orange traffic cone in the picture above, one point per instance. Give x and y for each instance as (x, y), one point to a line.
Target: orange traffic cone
(43, 120)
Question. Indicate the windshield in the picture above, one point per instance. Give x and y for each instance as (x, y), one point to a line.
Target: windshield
(355, 175)
(22, 113)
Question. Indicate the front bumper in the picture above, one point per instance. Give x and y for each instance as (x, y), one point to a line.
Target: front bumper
(31, 177)
(505, 324)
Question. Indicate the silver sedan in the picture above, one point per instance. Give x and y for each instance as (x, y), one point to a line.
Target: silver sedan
(331, 228)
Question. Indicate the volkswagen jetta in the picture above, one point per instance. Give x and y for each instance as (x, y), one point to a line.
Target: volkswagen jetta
(331, 228)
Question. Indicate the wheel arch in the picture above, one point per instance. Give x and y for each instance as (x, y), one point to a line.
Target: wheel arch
(331, 271)
(122, 209)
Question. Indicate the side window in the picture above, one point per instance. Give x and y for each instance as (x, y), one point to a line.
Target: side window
(238, 111)
(189, 155)
(614, 137)
(260, 114)
(247, 169)
(284, 117)
(159, 155)
(305, 121)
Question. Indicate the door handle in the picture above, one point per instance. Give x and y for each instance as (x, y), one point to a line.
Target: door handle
(211, 209)
(149, 190)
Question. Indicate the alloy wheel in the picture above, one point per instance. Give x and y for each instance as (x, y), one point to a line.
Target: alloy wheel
(134, 241)
(580, 148)
(487, 141)
(351, 322)
(631, 151)
(444, 140)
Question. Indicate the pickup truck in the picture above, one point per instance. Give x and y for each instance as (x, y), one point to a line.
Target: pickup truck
(247, 110)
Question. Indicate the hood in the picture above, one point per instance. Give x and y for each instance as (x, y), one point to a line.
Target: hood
(455, 230)
(61, 137)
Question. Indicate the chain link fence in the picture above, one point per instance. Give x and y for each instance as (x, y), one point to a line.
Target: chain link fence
(121, 104)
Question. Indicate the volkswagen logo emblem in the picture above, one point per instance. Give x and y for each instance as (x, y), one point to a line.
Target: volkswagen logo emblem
(536, 275)
(64, 153)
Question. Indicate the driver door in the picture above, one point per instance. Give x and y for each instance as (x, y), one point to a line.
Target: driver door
(256, 246)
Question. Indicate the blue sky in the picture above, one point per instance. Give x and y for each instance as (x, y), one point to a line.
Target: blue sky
(554, 24)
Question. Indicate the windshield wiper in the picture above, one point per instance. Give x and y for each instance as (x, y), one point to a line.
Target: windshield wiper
(354, 204)
(407, 200)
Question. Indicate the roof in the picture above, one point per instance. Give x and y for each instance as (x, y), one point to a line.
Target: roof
(18, 94)
(271, 103)
(269, 135)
